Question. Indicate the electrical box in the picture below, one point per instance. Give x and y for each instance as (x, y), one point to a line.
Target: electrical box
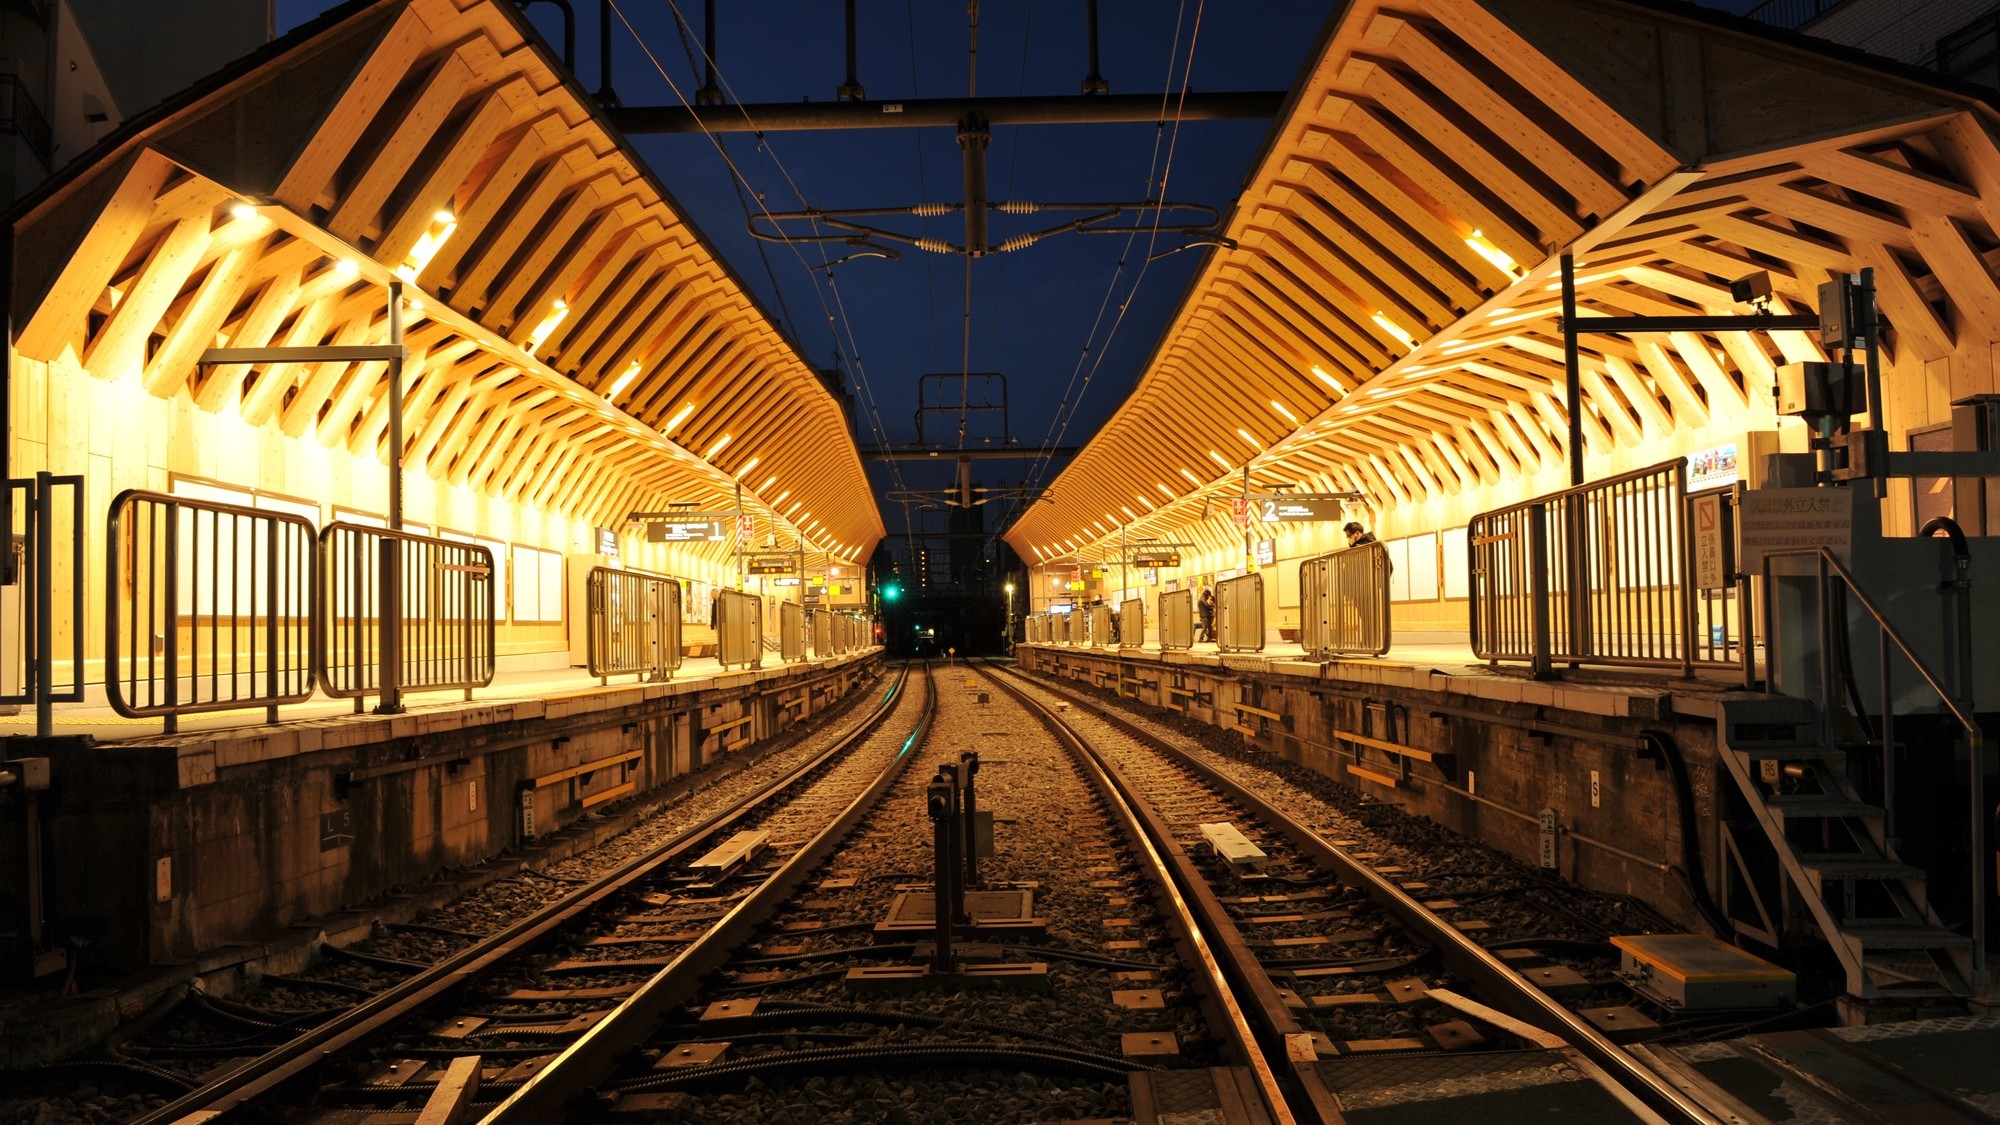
(1695, 973)
(1822, 390)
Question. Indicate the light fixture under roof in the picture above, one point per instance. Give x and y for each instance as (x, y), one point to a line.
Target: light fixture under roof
(1218, 459)
(1284, 413)
(1329, 380)
(623, 381)
(674, 423)
(1164, 489)
(243, 211)
(1502, 261)
(747, 466)
(717, 447)
(1401, 334)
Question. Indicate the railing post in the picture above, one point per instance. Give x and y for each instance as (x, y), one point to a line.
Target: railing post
(1576, 561)
(45, 601)
(1542, 662)
(389, 626)
(271, 634)
(173, 615)
(1688, 623)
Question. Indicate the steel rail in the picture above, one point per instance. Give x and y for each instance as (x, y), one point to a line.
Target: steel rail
(586, 1063)
(1508, 991)
(1202, 918)
(260, 1076)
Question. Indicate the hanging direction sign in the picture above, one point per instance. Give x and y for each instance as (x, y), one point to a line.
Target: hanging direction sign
(1153, 559)
(1291, 509)
(771, 564)
(684, 531)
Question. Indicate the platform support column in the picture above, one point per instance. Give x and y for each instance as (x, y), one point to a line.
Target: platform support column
(389, 604)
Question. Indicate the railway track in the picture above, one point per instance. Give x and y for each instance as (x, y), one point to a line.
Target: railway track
(515, 997)
(1363, 992)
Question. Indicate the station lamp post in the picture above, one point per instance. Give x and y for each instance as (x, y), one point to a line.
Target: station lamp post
(1010, 615)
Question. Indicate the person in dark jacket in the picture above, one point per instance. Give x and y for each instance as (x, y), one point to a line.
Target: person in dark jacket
(1357, 536)
(1207, 611)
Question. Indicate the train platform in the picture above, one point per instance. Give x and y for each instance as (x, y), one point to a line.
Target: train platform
(196, 846)
(518, 681)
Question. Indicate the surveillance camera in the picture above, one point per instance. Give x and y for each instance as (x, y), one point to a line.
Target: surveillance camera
(1753, 289)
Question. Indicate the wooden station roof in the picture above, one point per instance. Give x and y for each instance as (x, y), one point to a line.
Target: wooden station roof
(1388, 322)
(577, 346)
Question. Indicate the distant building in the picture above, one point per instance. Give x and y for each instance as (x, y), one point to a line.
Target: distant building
(1957, 38)
(72, 70)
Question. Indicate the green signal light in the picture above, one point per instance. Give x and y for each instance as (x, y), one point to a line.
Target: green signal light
(891, 592)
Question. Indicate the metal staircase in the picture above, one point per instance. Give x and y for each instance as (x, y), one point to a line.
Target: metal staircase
(1833, 849)
(1820, 781)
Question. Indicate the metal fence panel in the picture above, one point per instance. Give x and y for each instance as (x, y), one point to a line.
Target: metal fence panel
(822, 633)
(1099, 624)
(1132, 623)
(1344, 607)
(1595, 574)
(437, 632)
(791, 632)
(739, 629)
(1239, 614)
(208, 606)
(635, 623)
(1177, 620)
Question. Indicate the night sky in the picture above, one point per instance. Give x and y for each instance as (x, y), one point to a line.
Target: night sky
(1043, 316)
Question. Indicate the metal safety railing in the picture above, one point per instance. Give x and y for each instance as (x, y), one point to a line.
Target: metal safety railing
(1824, 632)
(1061, 628)
(822, 633)
(1177, 620)
(1596, 574)
(634, 624)
(208, 607)
(1101, 633)
(1344, 603)
(1132, 622)
(791, 632)
(41, 647)
(402, 612)
(1239, 614)
(739, 629)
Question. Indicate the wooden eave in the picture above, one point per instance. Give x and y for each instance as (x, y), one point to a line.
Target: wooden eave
(1440, 157)
(350, 141)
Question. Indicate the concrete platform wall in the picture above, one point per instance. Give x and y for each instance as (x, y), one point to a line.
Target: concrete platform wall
(163, 850)
(1504, 749)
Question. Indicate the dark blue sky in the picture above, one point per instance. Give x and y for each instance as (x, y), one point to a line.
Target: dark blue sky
(1035, 313)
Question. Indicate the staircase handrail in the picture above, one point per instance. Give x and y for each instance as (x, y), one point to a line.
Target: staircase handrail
(1975, 739)
(1973, 734)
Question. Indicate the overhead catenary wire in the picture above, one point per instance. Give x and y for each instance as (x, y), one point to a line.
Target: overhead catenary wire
(1080, 378)
(835, 323)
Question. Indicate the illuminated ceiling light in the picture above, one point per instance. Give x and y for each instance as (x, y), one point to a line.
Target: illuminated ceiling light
(796, 505)
(747, 466)
(781, 496)
(243, 212)
(557, 313)
(1147, 503)
(1192, 478)
(717, 447)
(623, 381)
(428, 244)
(1129, 513)
(1253, 443)
(1283, 413)
(1164, 489)
(346, 269)
(1392, 328)
(1501, 260)
(768, 482)
(674, 423)
(1329, 380)
(1217, 458)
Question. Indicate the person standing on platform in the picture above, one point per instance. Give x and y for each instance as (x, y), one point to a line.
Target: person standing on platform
(1207, 610)
(1357, 536)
